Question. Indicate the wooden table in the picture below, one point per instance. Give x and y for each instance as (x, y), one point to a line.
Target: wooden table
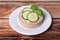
(7, 33)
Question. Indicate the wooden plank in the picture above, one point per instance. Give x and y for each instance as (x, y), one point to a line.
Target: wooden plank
(29, 0)
(7, 8)
(7, 31)
(19, 38)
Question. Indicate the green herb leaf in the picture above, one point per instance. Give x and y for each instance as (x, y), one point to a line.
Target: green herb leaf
(34, 7)
(37, 10)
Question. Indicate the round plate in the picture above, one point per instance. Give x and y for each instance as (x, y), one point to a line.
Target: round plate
(14, 24)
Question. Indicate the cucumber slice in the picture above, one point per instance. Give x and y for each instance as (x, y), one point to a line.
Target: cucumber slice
(33, 17)
(27, 9)
(25, 14)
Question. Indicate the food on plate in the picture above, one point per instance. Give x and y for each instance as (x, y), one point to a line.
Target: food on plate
(31, 17)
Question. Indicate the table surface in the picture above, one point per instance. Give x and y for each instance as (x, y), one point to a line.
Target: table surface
(6, 32)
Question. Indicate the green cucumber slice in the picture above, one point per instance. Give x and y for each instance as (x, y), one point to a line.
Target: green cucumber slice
(33, 17)
(27, 9)
(25, 14)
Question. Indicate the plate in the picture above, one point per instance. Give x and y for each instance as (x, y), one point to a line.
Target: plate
(42, 28)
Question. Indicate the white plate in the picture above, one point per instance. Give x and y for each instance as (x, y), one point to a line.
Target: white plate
(14, 24)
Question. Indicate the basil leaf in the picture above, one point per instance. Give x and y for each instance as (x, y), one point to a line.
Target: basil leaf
(39, 12)
(34, 7)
